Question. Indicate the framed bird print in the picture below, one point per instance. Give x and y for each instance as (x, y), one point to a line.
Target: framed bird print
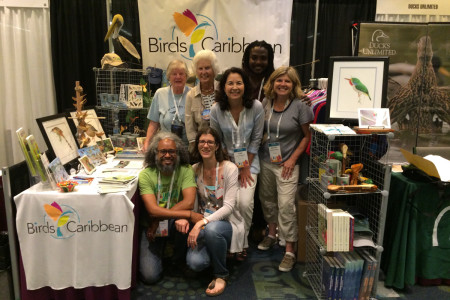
(354, 83)
(92, 128)
(58, 136)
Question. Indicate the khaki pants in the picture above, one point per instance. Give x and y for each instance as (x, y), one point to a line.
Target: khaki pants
(245, 205)
(278, 199)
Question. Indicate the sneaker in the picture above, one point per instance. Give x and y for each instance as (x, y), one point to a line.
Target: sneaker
(287, 263)
(267, 243)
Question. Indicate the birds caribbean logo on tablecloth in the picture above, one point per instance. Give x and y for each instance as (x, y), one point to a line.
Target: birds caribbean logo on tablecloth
(194, 27)
(61, 217)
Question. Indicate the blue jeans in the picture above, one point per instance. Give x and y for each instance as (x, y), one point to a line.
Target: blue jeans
(150, 265)
(212, 245)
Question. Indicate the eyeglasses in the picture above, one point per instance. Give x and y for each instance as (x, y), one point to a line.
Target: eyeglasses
(171, 152)
(210, 143)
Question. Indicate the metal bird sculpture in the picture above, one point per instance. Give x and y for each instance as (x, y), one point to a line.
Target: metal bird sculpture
(122, 46)
(420, 100)
(188, 24)
(358, 87)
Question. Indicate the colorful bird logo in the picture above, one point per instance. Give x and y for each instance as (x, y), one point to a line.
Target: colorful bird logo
(188, 24)
(55, 212)
(358, 87)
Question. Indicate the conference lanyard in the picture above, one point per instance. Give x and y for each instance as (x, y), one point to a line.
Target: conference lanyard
(236, 142)
(260, 88)
(170, 189)
(279, 121)
(171, 95)
(216, 185)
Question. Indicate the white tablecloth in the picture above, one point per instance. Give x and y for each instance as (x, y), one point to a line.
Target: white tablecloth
(76, 239)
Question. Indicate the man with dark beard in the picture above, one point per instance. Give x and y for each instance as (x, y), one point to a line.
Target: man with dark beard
(167, 186)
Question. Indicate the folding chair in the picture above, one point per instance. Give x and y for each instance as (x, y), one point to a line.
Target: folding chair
(15, 180)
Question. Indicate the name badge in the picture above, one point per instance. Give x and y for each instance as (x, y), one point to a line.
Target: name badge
(163, 229)
(205, 114)
(241, 157)
(275, 152)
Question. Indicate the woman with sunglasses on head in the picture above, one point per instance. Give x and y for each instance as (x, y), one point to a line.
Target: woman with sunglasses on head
(239, 120)
(222, 227)
(286, 138)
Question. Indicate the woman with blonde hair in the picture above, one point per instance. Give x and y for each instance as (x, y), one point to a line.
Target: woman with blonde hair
(286, 129)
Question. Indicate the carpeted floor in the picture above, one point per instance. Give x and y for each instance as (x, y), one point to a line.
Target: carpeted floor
(258, 278)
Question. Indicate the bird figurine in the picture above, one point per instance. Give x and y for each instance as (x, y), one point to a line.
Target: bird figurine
(122, 46)
(188, 24)
(358, 87)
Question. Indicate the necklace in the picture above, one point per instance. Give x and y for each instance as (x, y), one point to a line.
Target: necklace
(208, 91)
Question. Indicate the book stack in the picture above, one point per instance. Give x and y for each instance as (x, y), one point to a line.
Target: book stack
(348, 275)
(335, 228)
(127, 154)
(333, 129)
(114, 184)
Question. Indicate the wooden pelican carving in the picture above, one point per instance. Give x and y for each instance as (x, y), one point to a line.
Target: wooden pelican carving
(122, 46)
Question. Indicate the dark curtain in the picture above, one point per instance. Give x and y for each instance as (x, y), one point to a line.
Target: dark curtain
(77, 28)
(333, 32)
(130, 30)
(302, 37)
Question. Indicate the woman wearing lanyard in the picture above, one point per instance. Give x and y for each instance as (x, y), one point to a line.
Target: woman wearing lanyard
(239, 120)
(167, 109)
(286, 138)
(200, 99)
(257, 63)
(222, 227)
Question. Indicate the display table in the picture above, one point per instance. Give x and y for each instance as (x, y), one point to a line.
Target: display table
(416, 242)
(79, 245)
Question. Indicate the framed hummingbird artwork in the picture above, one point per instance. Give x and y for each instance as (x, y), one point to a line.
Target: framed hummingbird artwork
(58, 136)
(355, 83)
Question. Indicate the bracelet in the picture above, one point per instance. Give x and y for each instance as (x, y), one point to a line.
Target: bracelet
(205, 221)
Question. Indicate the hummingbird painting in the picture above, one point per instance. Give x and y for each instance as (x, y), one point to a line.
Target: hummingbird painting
(358, 87)
(60, 134)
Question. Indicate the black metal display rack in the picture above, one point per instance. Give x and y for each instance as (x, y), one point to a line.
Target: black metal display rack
(109, 82)
(371, 151)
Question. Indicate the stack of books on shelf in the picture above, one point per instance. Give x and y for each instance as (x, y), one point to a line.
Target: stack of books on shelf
(114, 184)
(335, 228)
(349, 275)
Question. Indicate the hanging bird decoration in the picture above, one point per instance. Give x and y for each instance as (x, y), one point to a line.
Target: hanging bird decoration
(358, 87)
(421, 99)
(188, 24)
(122, 46)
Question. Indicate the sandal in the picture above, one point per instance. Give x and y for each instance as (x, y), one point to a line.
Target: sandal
(212, 285)
(241, 256)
